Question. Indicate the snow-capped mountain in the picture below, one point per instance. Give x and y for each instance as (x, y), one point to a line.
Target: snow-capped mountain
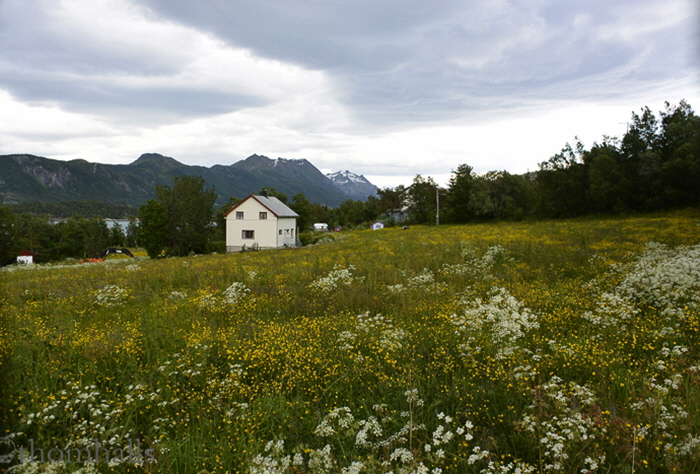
(354, 185)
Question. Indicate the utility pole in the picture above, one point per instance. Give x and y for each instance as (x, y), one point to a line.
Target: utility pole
(437, 205)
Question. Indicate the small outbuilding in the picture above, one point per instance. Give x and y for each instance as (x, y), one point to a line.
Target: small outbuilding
(377, 226)
(25, 257)
(322, 226)
(261, 222)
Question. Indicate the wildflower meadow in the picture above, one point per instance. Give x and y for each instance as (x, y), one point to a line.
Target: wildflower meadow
(533, 347)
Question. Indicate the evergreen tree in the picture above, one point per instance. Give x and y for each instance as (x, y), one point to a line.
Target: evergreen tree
(304, 208)
(459, 191)
(153, 228)
(610, 187)
(188, 207)
(132, 232)
(39, 236)
(562, 184)
(391, 200)
(8, 236)
(679, 147)
(422, 199)
(500, 195)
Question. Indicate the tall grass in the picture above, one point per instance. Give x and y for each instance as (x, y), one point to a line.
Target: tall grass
(562, 346)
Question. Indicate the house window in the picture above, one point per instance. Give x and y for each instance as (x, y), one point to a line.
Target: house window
(280, 231)
(239, 214)
(263, 215)
(248, 234)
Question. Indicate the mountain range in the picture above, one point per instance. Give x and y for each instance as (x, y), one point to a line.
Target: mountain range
(354, 185)
(33, 178)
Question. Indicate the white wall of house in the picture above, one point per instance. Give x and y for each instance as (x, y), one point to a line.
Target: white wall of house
(246, 227)
(286, 231)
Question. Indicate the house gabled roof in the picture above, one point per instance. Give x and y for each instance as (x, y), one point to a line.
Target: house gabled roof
(274, 205)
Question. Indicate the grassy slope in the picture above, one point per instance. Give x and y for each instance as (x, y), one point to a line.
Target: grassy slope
(208, 382)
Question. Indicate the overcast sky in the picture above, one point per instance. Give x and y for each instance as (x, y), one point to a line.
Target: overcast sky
(385, 88)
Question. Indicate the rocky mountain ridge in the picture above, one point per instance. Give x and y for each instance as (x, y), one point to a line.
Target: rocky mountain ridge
(355, 185)
(34, 178)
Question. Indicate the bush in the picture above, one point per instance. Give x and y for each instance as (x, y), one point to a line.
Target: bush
(216, 246)
(317, 237)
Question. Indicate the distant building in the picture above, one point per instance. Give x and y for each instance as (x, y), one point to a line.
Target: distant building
(377, 226)
(321, 226)
(260, 222)
(25, 257)
(398, 215)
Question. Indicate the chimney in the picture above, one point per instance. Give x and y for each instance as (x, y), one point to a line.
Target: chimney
(264, 193)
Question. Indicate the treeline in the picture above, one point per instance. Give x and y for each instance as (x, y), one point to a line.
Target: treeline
(178, 222)
(76, 237)
(82, 231)
(655, 166)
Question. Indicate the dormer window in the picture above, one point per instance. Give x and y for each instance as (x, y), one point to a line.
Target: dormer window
(263, 215)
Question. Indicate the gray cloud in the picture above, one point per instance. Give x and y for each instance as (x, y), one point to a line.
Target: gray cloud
(97, 95)
(393, 61)
(416, 60)
(43, 60)
(31, 37)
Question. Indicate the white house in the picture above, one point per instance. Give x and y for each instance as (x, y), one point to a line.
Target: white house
(377, 226)
(260, 222)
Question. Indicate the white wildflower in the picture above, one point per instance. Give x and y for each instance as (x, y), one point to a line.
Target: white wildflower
(235, 293)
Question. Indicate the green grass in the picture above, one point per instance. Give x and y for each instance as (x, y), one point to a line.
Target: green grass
(505, 326)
